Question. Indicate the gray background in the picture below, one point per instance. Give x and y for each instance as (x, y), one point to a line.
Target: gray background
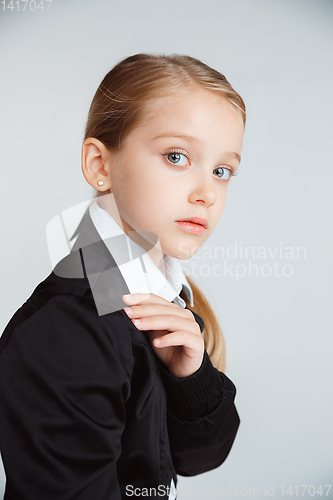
(278, 330)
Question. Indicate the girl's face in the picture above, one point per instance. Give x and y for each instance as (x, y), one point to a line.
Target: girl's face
(175, 165)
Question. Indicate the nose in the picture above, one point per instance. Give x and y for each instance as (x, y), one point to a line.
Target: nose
(203, 192)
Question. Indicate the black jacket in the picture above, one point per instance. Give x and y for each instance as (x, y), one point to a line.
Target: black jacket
(88, 411)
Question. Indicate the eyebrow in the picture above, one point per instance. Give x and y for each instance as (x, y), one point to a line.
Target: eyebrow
(174, 134)
(192, 139)
(235, 155)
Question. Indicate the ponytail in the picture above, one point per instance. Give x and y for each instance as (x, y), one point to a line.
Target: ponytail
(212, 333)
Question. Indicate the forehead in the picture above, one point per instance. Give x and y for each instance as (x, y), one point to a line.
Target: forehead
(203, 114)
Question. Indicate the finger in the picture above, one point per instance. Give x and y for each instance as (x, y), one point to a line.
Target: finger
(153, 309)
(167, 322)
(138, 298)
(190, 342)
(134, 298)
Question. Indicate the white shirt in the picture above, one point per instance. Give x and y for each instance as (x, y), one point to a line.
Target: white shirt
(166, 281)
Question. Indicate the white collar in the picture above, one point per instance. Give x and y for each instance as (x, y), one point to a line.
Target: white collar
(166, 283)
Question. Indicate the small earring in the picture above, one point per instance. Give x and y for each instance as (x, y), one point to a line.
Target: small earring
(100, 183)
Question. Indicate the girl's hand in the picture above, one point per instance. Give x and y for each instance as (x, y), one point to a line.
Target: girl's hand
(182, 349)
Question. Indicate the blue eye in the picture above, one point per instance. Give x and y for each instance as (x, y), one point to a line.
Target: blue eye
(177, 159)
(223, 173)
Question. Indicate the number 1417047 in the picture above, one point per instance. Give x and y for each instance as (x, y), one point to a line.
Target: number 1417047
(22, 5)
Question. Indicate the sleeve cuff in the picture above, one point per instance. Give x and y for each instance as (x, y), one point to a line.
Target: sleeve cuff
(195, 396)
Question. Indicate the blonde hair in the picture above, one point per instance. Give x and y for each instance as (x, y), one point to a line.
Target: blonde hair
(118, 106)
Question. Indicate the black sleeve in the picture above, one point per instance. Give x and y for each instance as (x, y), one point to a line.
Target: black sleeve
(202, 418)
(64, 380)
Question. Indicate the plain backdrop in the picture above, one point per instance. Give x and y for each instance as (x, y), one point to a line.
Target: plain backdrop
(277, 324)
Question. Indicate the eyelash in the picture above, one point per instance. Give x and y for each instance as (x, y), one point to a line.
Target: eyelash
(182, 152)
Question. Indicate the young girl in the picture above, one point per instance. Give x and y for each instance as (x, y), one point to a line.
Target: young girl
(106, 393)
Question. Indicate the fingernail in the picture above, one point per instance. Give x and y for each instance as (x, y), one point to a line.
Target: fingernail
(136, 321)
(128, 310)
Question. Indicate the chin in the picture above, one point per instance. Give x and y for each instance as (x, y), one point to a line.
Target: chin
(182, 251)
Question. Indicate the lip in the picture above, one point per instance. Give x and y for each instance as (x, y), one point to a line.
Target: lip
(197, 220)
(191, 227)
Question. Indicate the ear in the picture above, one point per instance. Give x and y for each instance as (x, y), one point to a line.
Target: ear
(95, 159)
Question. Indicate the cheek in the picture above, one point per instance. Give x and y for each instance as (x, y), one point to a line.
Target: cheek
(153, 194)
(143, 206)
(128, 187)
(220, 204)
(221, 195)
(223, 201)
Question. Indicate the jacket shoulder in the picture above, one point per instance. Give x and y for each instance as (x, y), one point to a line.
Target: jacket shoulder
(63, 310)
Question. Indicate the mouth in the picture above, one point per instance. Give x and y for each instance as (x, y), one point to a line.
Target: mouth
(193, 224)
